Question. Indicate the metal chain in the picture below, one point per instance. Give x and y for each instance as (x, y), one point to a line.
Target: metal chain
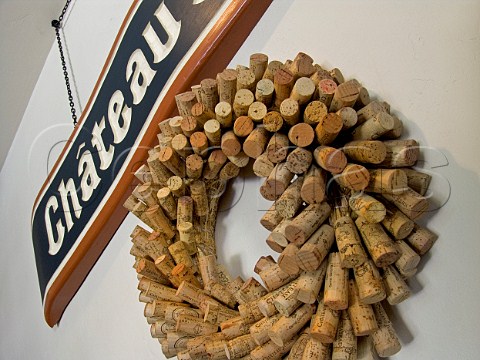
(57, 24)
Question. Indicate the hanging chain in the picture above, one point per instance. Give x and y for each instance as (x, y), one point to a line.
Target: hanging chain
(57, 24)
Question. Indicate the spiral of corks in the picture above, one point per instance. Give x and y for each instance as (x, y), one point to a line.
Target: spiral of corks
(345, 200)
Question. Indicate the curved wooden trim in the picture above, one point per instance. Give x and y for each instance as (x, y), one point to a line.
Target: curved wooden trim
(215, 52)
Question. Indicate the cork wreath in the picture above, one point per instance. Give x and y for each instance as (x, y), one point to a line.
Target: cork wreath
(345, 201)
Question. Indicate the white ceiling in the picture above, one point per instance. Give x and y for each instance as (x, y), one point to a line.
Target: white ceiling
(26, 37)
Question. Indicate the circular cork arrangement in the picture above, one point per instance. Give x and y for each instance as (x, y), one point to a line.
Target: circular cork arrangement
(345, 201)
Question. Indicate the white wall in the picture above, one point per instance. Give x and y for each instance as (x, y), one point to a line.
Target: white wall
(423, 57)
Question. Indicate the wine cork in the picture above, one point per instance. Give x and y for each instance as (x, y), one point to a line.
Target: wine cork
(288, 204)
(348, 116)
(258, 65)
(401, 153)
(143, 174)
(367, 207)
(301, 134)
(409, 202)
(163, 141)
(345, 95)
(272, 121)
(181, 255)
(214, 163)
(263, 263)
(264, 92)
(309, 284)
(158, 308)
(369, 283)
(243, 126)
(208, 270)
(338, 77)
(354, 177)
(217, 315)
(165, 128)
(287, 260)
(278, 234)
(302, 66)
(184, 210)
(189, 125)
(246, 80)
(199, 142)
(139, 210)
(227, 85)
(275, 246)
(396, 288)
(397, 223)
(421, 239)
(259, 330)
(234, 327)
(315, 350)
(313, 252)
(345, 345)
(408, 260)
(147, 193)
(397, 130)
(286, 301)
(374, 127)
(262, 166)
(257, 111)
(277, 148)
(240, 160)
(209, 93)
(381, 248)
(299, 160)
(161, 328)
(290, 111)
(286, 328)
(366, 151)
(271, 351)
(385, 339)
(176, 185)
(250, 312)
(417, 180)
(181, 145)
(173, 312)
(230, 144)
(229, 171)
(147, 269)
(370, 110)
(274, 277)
(243, 99)
(216, 350)
(305, 223)
(185, 101)
(219, 292)
(324, 324)
(277, 182)
(223, 114)
(314, 185)
(167, 202)
(194, 166)
(271, 218)
(202, 113)
(363, 99)
(165, 265)
(213, 131)
(157, 291)
(272, 68)
(160, 221)
(391, 181)
(314, 113)
(175, 125)
(255, 143)
(172, 161)
(240, 346)
(130, 203)
(326, 88)
(135, 251)
(160, 173)
(194, 296)
(199, 195)
(328, 128)
(361, 315)
(250, 290)
(330, 159)
(303, 90)
(283, 82)
(336, 284)
(196, 346)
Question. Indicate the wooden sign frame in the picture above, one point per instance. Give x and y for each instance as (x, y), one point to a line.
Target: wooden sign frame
(63, 265)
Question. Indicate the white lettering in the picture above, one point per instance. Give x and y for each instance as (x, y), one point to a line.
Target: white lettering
(88, 172)
(97, 142)
(69, 191)
(142, 75)
(115, 109)
(53, 245)
(171, 27)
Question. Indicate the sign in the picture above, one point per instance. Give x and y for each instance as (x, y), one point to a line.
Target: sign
(79, 207)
